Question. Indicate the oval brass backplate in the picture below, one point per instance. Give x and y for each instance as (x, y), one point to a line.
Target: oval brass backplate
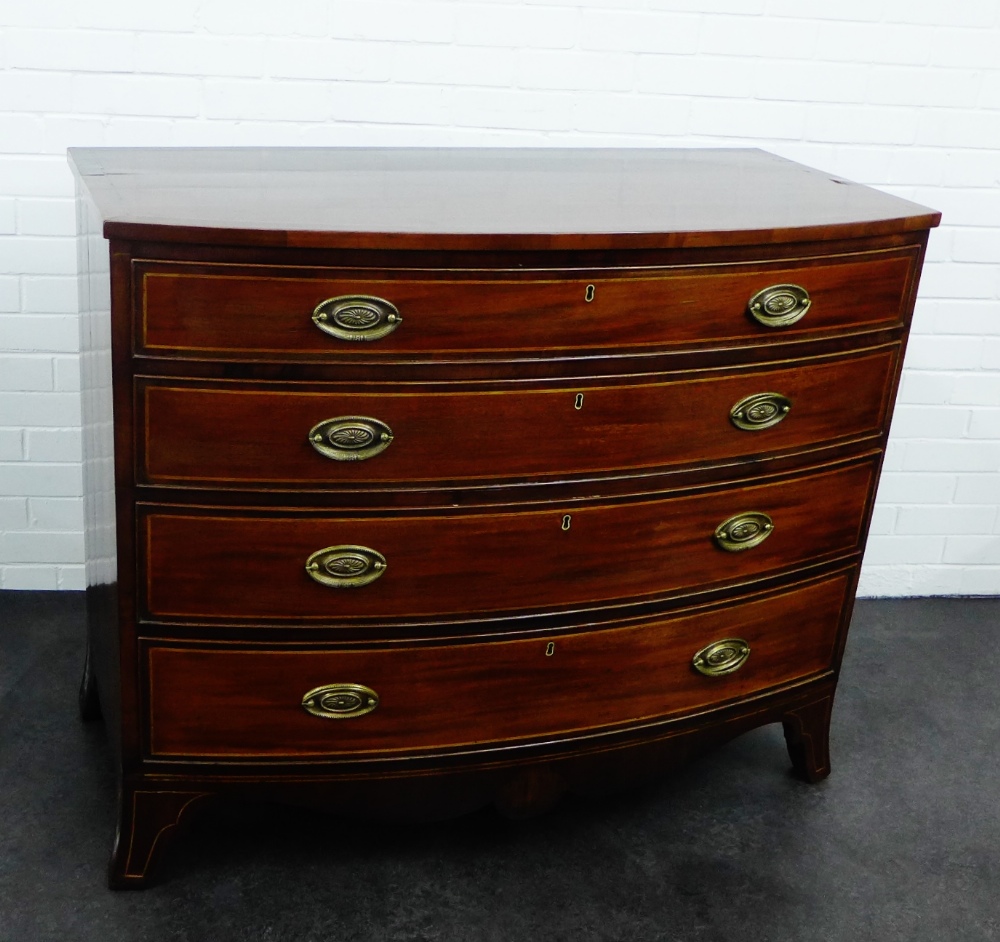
(350, 437)
(721, 657)
(340, 701)
(759, 411)
(356, 317)
(346, 567)
(744, 531)
(779, 305)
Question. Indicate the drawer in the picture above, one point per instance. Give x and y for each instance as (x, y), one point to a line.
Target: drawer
(252, 311)
(239, 435)
(240, 703)
(205, 564)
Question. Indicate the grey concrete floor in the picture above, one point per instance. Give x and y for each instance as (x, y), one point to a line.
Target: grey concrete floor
(901, 842)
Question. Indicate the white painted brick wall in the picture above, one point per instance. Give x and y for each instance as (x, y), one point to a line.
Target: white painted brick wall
(900, 94)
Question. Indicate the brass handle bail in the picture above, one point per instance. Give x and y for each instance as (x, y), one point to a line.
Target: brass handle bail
(340, 701)
(350, 438)
(743, 531)
(779, 305)
(346, 567)
(759, 411)
(721, 657)
(356, 317)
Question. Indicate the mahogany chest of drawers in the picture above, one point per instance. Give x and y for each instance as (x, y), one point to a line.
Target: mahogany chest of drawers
(422, 479)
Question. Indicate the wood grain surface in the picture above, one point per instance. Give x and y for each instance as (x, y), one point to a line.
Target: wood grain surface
(484, 198)
(245, 312)
(205, 564)
(229, 434)
(229, 702)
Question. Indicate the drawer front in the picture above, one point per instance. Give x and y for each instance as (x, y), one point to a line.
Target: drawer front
(206, 310)
(229, 435)
(206, 701)
(199, 565)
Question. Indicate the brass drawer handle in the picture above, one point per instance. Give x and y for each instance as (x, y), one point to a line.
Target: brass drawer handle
(356, 317)
(345, 567)
(350, 437)
(721, 657)
(743, 531)
(759, 411)
(340, 701)
(779, 305)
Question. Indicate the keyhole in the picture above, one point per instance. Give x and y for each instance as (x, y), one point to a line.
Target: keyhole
(567, 520)
(589, 294)
(578, 402)
(550, 649)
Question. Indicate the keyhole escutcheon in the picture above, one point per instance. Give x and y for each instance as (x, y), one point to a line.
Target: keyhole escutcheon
(550, 649)
(578, 402)
(588, 295)
(567, 521)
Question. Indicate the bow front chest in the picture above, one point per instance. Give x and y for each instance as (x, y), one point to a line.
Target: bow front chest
(422, 479)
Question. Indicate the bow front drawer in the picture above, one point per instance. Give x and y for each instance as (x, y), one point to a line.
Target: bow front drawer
(272, 434)
(227, 311)
(274, 702)
(320, 568)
